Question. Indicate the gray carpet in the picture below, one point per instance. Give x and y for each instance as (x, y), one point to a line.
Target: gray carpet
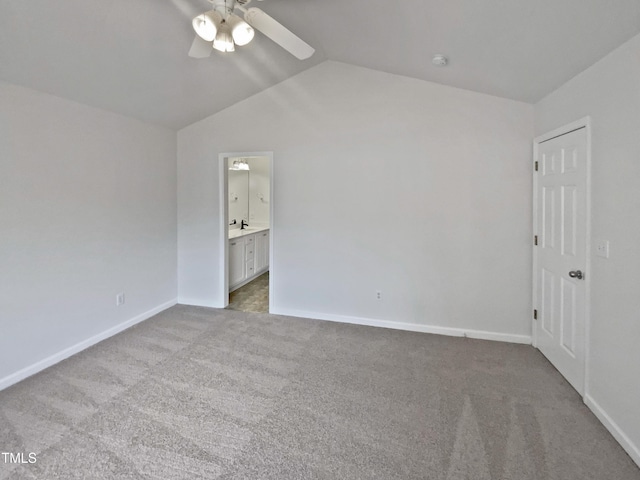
(201, 393)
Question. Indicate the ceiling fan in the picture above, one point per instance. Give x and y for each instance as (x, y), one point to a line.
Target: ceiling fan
(222, 29)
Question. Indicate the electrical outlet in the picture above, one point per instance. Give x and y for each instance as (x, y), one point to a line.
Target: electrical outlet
(602, 248)
(379, 295)
(119, 299)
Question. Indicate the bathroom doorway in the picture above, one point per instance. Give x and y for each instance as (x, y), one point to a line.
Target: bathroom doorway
(247, 229)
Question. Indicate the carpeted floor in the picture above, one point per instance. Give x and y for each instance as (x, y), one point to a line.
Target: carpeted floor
(197, 393)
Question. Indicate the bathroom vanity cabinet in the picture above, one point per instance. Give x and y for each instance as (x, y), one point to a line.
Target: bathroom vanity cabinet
(248, 256)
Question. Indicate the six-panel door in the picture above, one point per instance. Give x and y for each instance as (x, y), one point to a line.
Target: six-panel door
(561, 253)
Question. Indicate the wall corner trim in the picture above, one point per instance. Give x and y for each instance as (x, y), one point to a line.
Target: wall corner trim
(615, 430)
(83, 345)
(411, 327)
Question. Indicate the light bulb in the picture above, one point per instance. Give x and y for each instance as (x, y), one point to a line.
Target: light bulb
(224, 40)
(205, 27)
(242, 33)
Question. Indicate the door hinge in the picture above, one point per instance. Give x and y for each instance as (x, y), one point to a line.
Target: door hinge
(535, 239)
(535, 314)
(536, 166)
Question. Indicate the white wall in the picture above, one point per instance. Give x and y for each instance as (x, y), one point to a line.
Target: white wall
(381, 182)
(609, 92)
(87, 210)
(259, 188)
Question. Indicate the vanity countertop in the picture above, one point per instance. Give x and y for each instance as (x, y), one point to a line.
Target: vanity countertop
(236, 232)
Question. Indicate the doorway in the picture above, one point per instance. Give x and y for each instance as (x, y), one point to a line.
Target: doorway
(246, 188)
(561, 267)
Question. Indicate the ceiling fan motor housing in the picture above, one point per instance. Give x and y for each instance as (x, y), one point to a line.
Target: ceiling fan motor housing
(226, 7)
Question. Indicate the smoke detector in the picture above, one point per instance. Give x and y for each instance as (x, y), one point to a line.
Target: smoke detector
(440, 60)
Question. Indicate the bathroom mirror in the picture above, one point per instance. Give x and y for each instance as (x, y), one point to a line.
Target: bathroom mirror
(238, 196)
(249, 191)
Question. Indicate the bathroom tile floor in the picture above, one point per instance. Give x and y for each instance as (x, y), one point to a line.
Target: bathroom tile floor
(252, 297)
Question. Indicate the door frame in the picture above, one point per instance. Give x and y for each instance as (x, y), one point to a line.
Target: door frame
(584, 122)
(224, 222)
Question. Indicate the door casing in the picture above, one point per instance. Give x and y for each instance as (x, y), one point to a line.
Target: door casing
(584, 122)
(224, 222)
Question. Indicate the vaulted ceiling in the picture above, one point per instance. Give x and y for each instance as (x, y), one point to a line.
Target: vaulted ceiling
(131, 57)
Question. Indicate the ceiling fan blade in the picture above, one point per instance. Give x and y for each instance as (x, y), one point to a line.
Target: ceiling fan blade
(200, 48)
(278, 33)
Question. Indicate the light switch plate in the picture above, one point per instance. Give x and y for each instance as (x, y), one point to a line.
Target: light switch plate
(602, 248)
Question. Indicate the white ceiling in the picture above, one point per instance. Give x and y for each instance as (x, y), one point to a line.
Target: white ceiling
(131, 57)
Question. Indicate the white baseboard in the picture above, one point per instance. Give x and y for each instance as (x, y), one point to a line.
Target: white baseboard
(78, 347)
(614, 429)
(411, 327)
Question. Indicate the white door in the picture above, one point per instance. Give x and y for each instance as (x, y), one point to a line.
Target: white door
(561, 256)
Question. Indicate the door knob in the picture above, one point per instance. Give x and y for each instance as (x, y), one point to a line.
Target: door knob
(576, 274)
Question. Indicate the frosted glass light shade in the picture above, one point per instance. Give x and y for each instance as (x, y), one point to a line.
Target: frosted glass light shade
(205, 27)
(224, 40)
(242, 33)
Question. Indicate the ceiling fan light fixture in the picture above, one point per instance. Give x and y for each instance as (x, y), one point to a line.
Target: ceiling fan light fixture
(205, 26)
(225, 29)
(224, 39)
(242, 33)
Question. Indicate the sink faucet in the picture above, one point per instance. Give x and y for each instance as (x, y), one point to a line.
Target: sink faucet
(243, 224)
